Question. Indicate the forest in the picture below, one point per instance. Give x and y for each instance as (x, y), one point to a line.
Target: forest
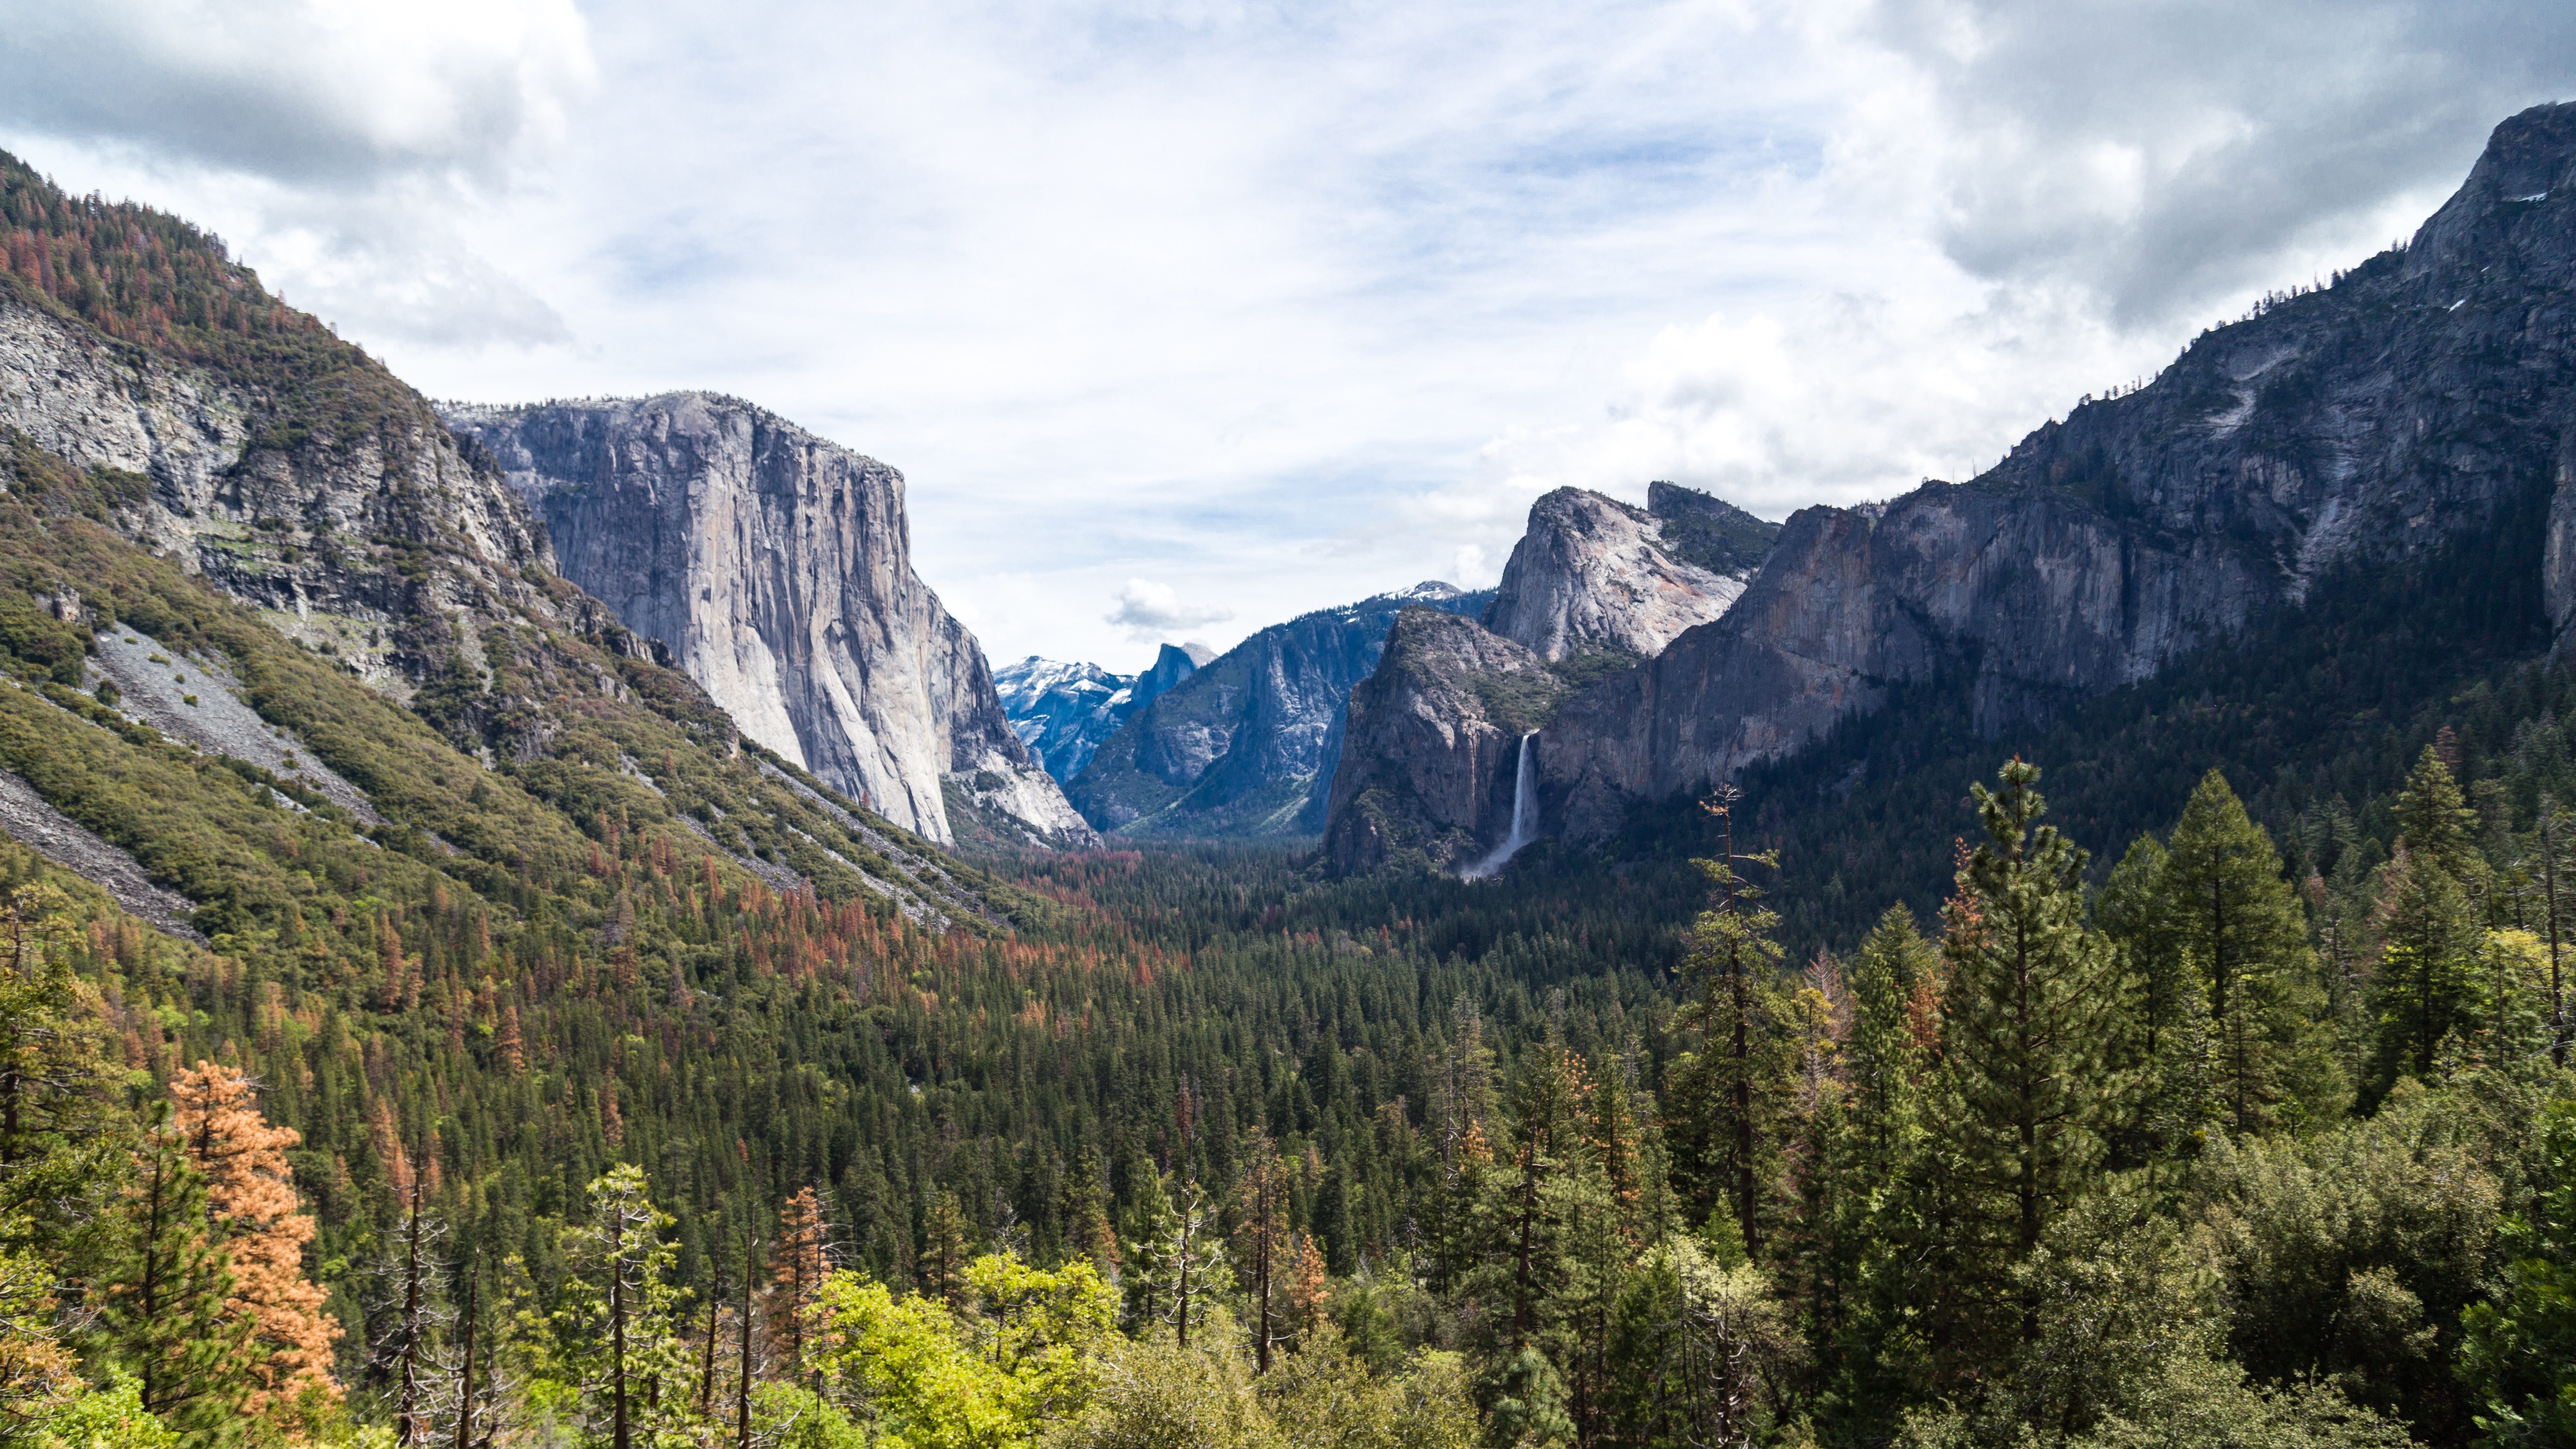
(2177, 1148)
(590, 1096)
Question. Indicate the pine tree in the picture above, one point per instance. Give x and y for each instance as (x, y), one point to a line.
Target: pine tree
(1739, 1009)
(2435, 822)
(2130, 912)
(1894, 968)
(616, 1322)
(164, 1316)
(2421, 989)
(1549, 1112)
(250, 1190)
(2222, 899)
(2026, 1025)
(945, 1247)
(798, 1260)
(1261, 1243)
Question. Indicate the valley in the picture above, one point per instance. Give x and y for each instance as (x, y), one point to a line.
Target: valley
(533, 925)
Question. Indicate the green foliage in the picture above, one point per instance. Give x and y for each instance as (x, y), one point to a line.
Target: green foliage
(2518, 1355)
(1021, 1351)
(2026, 1037)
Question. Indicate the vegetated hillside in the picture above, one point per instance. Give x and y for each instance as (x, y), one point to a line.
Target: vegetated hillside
(598, 1134)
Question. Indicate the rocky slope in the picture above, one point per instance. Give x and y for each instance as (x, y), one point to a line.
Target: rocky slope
(1063, 711)
(303, 480)
(2426, 396)
(776, 569)
(270, 631)
(1595, 578)
(1246, 745)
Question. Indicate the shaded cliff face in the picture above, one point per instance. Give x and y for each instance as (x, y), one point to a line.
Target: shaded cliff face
(776, 568)
(1246, 745)
(1433, 739)
(2428, 395)
(1593, 576)
(1062, 711)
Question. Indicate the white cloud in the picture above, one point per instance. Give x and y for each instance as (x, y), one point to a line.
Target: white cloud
(1283, 306)
(1150, 612)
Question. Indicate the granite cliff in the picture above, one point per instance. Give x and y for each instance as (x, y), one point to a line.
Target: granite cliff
(1596, 580)
(1246, 745)
(2425, 396)
(239, 551)
(775, 567)
(1434, 734)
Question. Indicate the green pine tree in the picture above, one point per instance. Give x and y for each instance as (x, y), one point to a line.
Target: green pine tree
(2027, 1027)
(2221, 903)
(2423, 987)
(1742, 1013)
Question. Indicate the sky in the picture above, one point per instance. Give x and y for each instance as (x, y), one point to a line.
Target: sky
(1185, 318)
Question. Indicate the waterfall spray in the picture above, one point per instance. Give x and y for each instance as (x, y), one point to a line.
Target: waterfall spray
(1524, 817)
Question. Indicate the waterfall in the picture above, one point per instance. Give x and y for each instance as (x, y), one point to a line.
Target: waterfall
(1524, 817)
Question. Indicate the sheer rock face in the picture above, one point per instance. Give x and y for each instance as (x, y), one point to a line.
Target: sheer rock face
(1432, 745)
(2428, 397)
(776, 568)
(377, 549)
(1593, 575)
(1246, 745)
(2038, 600)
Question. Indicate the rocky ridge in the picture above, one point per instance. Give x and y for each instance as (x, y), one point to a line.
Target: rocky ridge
(1063, 711)
(1592, 576)
(2425, 396)
(1246, 745)
(1429, 766)
(775, 567)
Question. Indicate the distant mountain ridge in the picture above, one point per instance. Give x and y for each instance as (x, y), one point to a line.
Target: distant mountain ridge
(1245, 746)
(1429, 765)
(1062, 711)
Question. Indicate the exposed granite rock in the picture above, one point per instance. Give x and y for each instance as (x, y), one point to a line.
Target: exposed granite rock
(776, 568)
(2427, 395)
(1063, 711)
(1245, 746)
(1429, 753)
(381, 545)
(1594, 576)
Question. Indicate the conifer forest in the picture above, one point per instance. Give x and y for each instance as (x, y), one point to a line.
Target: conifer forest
(2188, 1067)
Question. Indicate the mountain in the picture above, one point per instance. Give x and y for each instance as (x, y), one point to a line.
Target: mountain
(1430, 760)
(237, 554)
(1439, 724)
(775, 567)
(1595, 579)
(1245, 745)
(2426, 397)
(1063, 711)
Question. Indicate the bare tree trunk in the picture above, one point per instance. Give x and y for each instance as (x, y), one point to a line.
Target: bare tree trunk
(408, 1420)
(742, 1382)
(617, 1326)
(465, 1390)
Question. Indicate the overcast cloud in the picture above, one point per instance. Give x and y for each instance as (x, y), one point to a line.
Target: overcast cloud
(1213, 313)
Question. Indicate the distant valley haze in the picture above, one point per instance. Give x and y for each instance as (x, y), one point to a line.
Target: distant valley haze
(1181, 320)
